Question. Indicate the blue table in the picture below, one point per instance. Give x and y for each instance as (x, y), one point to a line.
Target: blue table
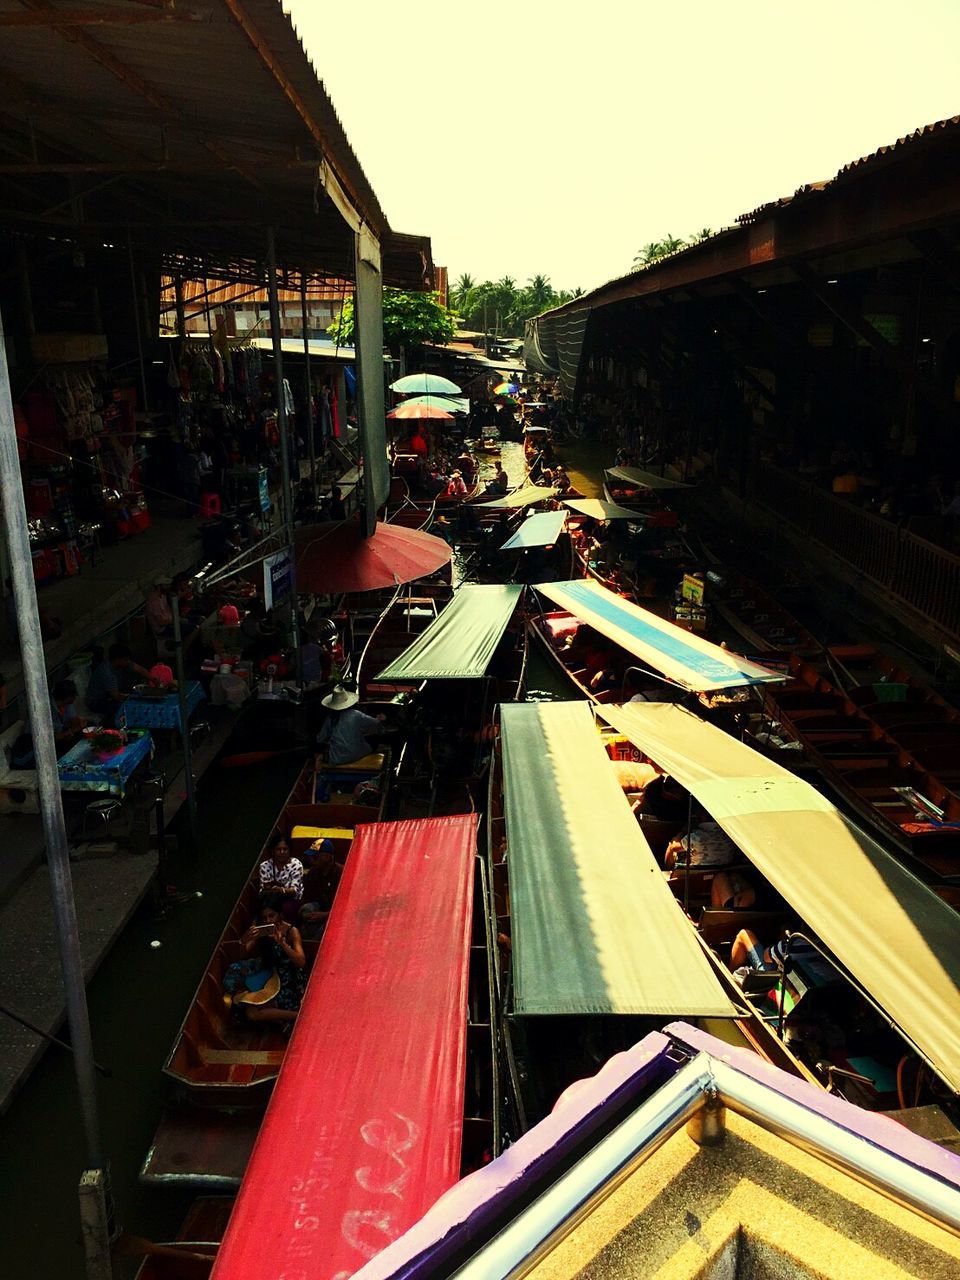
(80, 772)
(159, 713)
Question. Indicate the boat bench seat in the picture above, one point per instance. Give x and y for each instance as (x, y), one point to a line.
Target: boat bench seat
(366, 764)
(241, 1057)
(718, 925)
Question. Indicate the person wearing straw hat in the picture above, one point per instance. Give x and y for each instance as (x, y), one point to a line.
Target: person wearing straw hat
(347, 730)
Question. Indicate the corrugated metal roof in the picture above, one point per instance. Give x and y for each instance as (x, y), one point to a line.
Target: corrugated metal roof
(193, 128)
(218, 293)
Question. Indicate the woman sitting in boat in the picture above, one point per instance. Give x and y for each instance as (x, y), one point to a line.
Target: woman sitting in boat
(456, 488)
(500, 482)
(279, 951)
(282, 874)
(346, 732)
(561, 481)
(708, 846)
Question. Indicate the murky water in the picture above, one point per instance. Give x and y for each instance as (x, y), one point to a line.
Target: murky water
(137, 1002)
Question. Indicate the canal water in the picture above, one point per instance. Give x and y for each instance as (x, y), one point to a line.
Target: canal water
(138, 999)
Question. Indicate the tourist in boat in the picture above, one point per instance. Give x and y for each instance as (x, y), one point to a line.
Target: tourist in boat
(731, 891)
(561, 481)
(456, 487)
(281, 874)
(347, 732)
(500, 482)
(320, 881)
(708, 846)
(749, 953)
(280, 949)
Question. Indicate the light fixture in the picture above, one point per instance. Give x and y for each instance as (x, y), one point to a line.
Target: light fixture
(761, 291)
(926, 339)
(831, 282)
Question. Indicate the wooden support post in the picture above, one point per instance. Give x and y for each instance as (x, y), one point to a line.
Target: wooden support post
(95, 1225)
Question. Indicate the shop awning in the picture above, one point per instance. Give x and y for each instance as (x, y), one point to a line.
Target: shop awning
(540, 530)
(527, 495)
(644, 479)
(595, 928)
(363, 1131)
(893, 934)
(682, 656)
(460, 643)
(598, 509)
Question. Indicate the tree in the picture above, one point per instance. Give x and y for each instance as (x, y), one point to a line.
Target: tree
(539, 293)
(461, 291)
(408, 320)
(656, 250)
(703, 234)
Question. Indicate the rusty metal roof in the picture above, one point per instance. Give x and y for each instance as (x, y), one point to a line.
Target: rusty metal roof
(189, 125)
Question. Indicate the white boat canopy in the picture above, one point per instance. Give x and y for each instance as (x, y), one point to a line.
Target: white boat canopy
(525, 495)
(595, 927)
(683, 657)
(539, 530)
(887, 928)
(645, 479)
(598, 509)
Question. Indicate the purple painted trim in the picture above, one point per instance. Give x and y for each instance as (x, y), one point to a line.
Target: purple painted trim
(471, 1212)
(889, 1135)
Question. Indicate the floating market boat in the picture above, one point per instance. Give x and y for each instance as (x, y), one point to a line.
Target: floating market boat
(224, 1068)
(902, 778)
(385, 1097)
(594, 950)
(756, 615)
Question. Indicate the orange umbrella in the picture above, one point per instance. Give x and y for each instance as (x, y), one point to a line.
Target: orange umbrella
(334, 557)
(420, 411)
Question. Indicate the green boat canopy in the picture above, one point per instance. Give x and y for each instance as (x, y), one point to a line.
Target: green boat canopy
(644, 479)
(460, 643)
(526, 495)
(540, 530)
(601, 510)
(683, 657)
(595, 927)
(891, 932)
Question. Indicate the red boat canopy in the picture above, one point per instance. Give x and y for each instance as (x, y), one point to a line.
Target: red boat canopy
(364, 1128)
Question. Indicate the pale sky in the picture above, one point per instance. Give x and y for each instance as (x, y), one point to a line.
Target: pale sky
(557, 137)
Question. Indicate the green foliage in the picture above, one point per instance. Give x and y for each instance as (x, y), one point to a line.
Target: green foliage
(658, 249)
(502, 306)
(408, 320)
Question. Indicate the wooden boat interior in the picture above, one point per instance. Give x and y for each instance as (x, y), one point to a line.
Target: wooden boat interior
(595, 667)
(218, 1058)
(757, 616)
(200, 1234)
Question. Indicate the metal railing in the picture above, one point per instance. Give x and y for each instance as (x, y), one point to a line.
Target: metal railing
(905, 567)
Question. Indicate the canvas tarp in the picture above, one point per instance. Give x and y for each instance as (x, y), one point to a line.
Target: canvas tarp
(540, 530)
(595, 928)
(601, 510)
(644, 479)
(680, 655)
(527, 495)
(363, 1131)
(460, 643)
(893, 934)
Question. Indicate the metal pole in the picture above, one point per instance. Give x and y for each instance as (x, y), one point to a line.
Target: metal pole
(311, 441)
(686, 865)
(51, 806)
(181, 312)
(184, 723)
(284, 443)
(137, 323)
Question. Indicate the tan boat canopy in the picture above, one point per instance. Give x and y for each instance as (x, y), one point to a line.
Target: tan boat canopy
(596, 929)
(461, 642)
(527, 495)
(890, 931)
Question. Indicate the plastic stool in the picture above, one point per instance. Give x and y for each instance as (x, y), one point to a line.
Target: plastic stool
(209, 505)
(102, 811)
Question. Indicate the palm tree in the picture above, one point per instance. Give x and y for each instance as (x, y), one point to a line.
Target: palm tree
(539, 294)
(670, 244)
(461, 291)
(649, 253)
(703, 234)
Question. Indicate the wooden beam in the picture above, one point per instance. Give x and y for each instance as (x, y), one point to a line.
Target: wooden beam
(938, 254)
(145, 166)
(112, 17)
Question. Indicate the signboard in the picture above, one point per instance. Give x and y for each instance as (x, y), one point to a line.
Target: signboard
(263, 490)
(692, 589)
(277, 577)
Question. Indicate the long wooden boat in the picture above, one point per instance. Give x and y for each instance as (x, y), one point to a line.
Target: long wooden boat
(190, 1255)
(401, 991)
(905, 786)
(224, 1069)
(647, 502)
(763, 622)
(540, 1048)
(381, 631)
(856, 1015)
